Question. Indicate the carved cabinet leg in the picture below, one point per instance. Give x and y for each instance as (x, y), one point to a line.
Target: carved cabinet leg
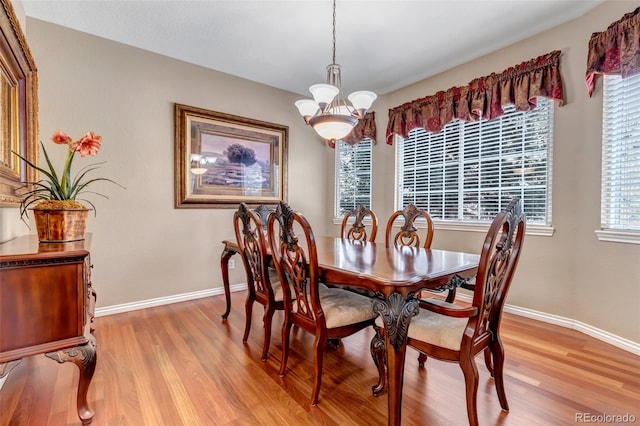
(85, 358)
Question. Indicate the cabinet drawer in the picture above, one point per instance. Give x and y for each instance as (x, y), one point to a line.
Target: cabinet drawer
(41, 304)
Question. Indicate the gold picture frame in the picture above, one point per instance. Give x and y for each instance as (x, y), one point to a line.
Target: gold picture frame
(18, 108)
(223, 159)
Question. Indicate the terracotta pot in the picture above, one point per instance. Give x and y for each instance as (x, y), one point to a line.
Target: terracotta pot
(61, 225)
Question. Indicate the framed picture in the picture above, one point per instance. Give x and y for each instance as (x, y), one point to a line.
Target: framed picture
(18, 108)
(222, 159)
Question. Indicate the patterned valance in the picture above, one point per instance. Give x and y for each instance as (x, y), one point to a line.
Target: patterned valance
(366, 128)
(483, 97)
(616, 50)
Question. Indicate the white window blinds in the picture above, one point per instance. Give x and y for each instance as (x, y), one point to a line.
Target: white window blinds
(469, 172)
(621, 154)
(353, 176)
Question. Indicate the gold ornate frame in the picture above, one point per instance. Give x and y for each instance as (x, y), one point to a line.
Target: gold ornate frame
(223, 159)
(18, 107)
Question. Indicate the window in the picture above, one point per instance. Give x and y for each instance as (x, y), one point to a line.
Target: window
(468, 172)
(353, 176)
(620, 202)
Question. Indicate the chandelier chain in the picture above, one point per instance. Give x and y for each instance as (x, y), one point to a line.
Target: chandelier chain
(334, 31)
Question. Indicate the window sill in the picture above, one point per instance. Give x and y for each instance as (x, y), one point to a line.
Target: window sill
(366, 221)
(539, 230)
(618, 236)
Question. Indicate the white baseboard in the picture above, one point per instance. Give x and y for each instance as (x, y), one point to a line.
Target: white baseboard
(142, 304)
(605, 336)
(596, 333)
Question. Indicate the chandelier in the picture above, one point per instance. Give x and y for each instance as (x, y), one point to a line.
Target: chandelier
(329, 113)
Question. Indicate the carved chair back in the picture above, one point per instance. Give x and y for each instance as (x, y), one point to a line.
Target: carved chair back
(251, 240)
(263, 213)
(297, 264)
(358, 230)
(409, 234)
(498, 260)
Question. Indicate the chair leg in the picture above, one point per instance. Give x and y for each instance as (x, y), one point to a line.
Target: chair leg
(497, 351)
(318, 358)
(470, 371)
(268, 317)
(248, 308)
(488, 361)
(422, 358)
(451, 296)
(286, 334)
(378, 353)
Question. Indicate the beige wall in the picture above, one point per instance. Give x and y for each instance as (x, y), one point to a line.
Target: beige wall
(570, 274)
(144, 248)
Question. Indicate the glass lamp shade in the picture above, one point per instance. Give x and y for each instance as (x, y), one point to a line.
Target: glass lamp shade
(333, 127)
(362, 100)
(198, 170)
(198, 163)
(323, 94)
(307, 107)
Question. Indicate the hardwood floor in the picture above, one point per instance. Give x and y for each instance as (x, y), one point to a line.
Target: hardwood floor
(181, 364)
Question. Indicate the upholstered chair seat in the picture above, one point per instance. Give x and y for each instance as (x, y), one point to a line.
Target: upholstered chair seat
(343, 307)
(436, 329)
(278, 295)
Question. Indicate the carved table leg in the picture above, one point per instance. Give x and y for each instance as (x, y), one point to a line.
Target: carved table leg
(6, 367)
(396, 312)
(224, 265)
(85, 358)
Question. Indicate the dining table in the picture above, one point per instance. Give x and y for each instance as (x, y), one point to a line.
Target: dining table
(395, 276)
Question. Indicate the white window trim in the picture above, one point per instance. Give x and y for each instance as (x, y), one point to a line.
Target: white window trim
(612, 231)
(539, 230)
(618, 236)
(365, 221)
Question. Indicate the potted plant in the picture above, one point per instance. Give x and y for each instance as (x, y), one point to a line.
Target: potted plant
(58, 213)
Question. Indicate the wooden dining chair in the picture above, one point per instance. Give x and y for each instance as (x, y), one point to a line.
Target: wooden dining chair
(328, 313)
(358, 230)
(410, 235)
(251, 240)
(454, 333)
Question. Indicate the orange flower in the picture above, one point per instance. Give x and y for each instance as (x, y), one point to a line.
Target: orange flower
(63, 186)
(89, 144)
(61, 138)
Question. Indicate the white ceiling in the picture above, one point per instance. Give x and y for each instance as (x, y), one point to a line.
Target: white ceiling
(381, 45)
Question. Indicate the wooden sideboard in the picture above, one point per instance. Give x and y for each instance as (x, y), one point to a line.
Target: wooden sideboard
(46, 307)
